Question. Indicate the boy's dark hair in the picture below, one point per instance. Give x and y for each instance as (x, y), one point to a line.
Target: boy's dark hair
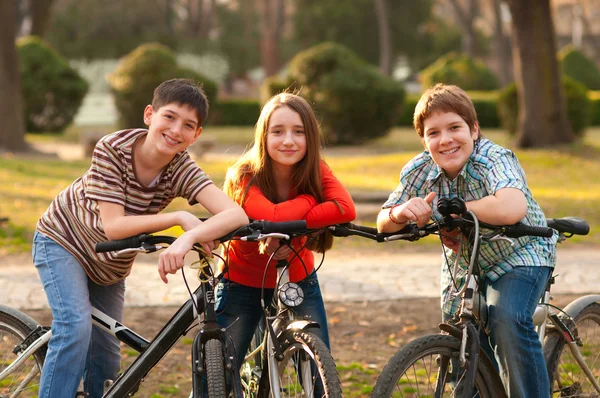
(444, 98)
(182, 92)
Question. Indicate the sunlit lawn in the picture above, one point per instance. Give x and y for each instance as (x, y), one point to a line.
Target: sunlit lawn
(564, 181)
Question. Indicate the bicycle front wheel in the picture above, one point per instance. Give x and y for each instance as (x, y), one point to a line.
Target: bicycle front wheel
(307, 368)
(428, 367)
(23, 381)
(215, 370)
(566, 376)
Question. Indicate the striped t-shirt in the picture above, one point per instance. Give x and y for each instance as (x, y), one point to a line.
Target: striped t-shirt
(73, 218)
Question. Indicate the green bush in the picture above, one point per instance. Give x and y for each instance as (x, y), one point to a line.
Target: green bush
(52, 90)
(461, 70)
(271, 86)
(594, 97)
(235, 112)
(140, 72)
(578, 106)
(579, 67)
(354, 101)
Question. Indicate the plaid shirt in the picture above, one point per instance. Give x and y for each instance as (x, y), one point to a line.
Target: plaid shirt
(489, 169)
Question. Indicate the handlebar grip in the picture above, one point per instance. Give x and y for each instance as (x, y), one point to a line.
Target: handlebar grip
(120, 244)
(519, 230)
(268, 227)
(343, 230)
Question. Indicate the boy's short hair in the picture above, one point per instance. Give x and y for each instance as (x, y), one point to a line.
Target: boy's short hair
(182, 92)
(444, 98)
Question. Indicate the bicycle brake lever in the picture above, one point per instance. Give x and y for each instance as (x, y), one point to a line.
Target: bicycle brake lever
(500, 238)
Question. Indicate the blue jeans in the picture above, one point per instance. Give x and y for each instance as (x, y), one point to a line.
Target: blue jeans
(75, 349)
(238, 309)
(513, 341)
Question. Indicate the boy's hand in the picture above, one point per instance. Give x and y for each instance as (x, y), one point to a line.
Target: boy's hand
(417, 210)
(187, 220)
(172, 259)
(452, 239)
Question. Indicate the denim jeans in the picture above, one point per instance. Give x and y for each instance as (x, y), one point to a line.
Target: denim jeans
(239, 310)
(513, 341)
(75, 349)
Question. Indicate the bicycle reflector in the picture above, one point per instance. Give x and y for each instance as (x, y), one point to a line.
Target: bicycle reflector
(291, 294)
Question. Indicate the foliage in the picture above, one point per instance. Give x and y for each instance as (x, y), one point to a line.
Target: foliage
(139, 73)
(461, 70)
(579, 67)
(92, 29)
(235, 112)
(578, 106)
(316, 21)
(52, 90)
(356, 103)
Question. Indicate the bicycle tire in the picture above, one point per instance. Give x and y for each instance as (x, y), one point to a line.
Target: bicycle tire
(567, 378)
(304, 348)
(215, 370)
(15, 326)
(410, 372)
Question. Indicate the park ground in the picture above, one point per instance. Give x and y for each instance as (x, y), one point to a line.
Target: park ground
(364, 336)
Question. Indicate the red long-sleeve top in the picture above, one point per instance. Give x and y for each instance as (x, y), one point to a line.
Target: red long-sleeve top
(247, 265)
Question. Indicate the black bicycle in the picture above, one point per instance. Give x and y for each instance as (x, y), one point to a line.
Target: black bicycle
(23, 342)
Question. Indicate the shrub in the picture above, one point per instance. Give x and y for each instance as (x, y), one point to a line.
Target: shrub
(52, 90)
(354, 101)
(140, 72)
(459, 69)
(579, 67)
(235, 112)
(594, 97)
(578, 106)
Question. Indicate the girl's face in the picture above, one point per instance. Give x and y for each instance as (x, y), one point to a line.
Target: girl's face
(286, 140)
(449, 141)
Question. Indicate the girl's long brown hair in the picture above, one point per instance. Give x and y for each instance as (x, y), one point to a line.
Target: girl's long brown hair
(257, 167)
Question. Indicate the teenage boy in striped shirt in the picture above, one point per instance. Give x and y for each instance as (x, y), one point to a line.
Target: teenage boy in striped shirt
(134, 175)
(459, 162)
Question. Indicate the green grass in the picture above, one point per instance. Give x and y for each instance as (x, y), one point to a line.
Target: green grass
(563, 180)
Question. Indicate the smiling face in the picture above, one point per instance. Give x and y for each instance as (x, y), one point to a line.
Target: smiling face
(286, 138)
(449, 141)
(172, 128)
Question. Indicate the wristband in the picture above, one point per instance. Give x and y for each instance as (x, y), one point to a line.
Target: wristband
(392, 218)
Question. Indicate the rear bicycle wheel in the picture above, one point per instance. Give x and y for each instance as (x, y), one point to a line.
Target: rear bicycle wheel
(307, 368)
(252, 368)
(24, 381)
(215, 370)
(427, 367)
(566, 376)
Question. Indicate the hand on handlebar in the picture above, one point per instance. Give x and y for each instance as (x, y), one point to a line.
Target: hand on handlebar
(417, 210)
(274, 246)
(172, 259)
(452, 239)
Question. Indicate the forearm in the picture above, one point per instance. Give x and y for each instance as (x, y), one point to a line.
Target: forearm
(507, 206)
(385, 224)
(126, 226)
(218, 225)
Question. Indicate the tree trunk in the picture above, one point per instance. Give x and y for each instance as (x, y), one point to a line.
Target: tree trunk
(40, 16)
(271, 27)
(466, 21)
(542, 109)
(501, 47)
(12, 128)
(385, 39)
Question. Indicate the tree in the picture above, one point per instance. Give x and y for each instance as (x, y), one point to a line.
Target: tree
(542, 108)
(40, 16)
(466, 12)
(501, 47)
(271, 28)
(12, 132)
(385, 39)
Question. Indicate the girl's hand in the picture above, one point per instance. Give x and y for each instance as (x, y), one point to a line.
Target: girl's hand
(187, 220)
(273, 245)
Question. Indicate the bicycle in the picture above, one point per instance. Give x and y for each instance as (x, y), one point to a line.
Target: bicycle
(23, 342)
(451, 363)
(285, 359)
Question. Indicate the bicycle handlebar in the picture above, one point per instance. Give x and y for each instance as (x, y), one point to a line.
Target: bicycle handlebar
(253, 230)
